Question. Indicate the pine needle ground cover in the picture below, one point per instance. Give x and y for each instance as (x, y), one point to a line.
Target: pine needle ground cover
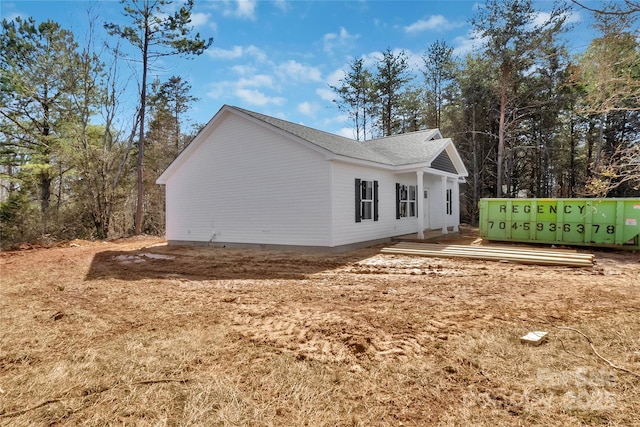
(135, 332)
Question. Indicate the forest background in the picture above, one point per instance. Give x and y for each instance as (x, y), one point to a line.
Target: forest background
(529, 118)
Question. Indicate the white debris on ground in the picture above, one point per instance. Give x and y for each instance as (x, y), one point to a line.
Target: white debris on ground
(534, 338)
(137, 259)
(391, 262)
(128, 259)
(158, 256)
(402, 265)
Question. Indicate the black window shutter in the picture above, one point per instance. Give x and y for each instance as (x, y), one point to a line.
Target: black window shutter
(375, 200)
(397, 201)
(447, 204)
(358, 193)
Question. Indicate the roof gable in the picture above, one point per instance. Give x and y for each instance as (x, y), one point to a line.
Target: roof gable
(414, 148)
(408, 148)
(443, 162)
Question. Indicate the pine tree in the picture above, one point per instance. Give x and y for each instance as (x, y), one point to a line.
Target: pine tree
(609, 74)
(390, 83)
(155, 33)
(513, 42)
(37, 63)
(355, 96)
(438, 74)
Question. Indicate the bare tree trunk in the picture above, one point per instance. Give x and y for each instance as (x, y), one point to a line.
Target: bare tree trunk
(600, 141)
(476, 173)
(143, 106)
(501, 135)
(572, 159)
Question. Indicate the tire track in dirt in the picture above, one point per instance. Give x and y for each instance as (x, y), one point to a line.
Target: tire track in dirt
(328, 336)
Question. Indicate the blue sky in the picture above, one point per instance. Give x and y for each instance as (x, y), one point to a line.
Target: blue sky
(278, 57)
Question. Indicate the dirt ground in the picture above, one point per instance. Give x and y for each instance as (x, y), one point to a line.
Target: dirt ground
(134, 332)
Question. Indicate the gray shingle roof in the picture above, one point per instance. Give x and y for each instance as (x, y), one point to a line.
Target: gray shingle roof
(397, 150)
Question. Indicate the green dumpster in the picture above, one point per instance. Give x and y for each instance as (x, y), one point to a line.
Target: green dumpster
(611, 222)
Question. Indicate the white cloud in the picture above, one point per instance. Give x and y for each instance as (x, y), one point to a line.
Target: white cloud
(283, 5)
(325, 94)
(343, 118)
(237, 52)
(433, 23)
(334, 78)
(257, 53)
(199, 19)
(340, 40)
(339, 124)
(249, 90)
(414, 60)
(243, 70)
(247, 9)
(217, 90)
(346, 132)
(463, 45)
(255, 97)
(219, 53)
(308, 108)
(12, 16)
(243, 9)
(342, 122)
(298, 72)
(259, 80)
(370, 59)
(572, 17)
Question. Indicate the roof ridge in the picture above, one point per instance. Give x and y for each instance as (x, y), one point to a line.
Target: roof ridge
(262, 117)
(404, 133)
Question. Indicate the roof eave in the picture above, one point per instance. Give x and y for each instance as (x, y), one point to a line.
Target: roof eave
(358, 162)
(425, 167)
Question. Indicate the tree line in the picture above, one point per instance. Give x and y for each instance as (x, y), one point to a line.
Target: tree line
(528, 118)
(62, 175)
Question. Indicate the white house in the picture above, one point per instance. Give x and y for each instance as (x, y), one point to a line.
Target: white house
(249, 179)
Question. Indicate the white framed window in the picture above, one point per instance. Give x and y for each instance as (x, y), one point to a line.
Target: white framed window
(406, 201)
(449, 202)
(366, 200)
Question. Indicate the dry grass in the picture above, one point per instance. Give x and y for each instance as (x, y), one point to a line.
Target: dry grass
(137, 333)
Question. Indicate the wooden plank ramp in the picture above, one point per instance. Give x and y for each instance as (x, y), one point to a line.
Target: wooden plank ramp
(516, 254)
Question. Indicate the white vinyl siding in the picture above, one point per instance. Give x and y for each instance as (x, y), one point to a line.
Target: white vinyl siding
(345, 229)
(247, 183)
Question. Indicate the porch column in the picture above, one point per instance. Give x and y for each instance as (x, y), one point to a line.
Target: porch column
(455, 203)
(445, 229)
(420, 206)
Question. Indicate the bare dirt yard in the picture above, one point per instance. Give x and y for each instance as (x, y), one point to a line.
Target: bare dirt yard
(134, 332)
